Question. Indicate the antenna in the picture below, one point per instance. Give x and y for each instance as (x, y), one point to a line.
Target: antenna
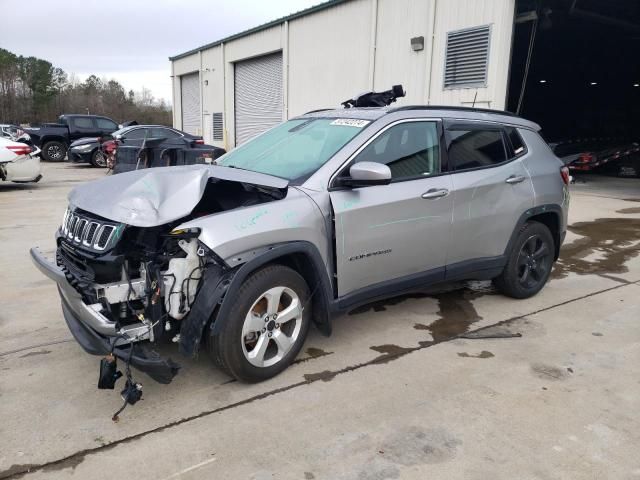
(474, 99)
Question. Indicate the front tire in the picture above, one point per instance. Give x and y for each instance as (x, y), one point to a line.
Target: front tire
(98, 159)
(54, 151)
(266, 327)
(529, 264)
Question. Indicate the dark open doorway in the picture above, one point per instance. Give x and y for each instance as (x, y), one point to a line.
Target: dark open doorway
(584, 73)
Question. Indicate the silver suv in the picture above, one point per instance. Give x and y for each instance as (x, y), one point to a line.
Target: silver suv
(319, 215)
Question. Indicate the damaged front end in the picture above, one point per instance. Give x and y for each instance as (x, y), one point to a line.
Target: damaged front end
(128, 285)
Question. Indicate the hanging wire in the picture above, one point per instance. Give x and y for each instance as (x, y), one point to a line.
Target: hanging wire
(532, 39)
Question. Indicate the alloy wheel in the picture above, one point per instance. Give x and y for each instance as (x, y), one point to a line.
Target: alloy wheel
(271, 326)
(533, 262)
(54, 152)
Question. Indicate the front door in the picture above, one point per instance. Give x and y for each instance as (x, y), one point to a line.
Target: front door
(387, 232)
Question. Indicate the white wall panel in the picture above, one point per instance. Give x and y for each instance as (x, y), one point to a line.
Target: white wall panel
(396, 63)
(329, 56)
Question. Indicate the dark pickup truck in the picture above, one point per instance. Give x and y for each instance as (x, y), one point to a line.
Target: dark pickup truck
(54, 138)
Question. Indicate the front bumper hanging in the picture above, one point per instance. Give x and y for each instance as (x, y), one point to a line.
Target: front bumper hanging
(95, 333)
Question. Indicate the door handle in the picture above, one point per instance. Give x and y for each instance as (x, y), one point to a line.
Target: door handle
(513, 179)
(435, 193)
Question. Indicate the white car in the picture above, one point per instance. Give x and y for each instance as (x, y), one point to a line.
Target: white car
(18, 162)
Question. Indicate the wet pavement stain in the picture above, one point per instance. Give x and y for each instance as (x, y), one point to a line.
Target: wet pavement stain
(389, 352)
(312, 353)
(457, 314)
(629, 210)
(616, 240)
(482, 354)
(325, 376)
(22, 469)
(33, 354)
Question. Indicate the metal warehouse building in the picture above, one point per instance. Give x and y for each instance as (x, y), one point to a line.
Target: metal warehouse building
(571, 65)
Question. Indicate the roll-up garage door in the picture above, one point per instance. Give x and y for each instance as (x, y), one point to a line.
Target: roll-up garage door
(190, 88)
(258, 95)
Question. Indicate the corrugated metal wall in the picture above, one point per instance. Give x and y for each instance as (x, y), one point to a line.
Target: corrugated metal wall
(190, 96)
(360, 45)
(258, 95)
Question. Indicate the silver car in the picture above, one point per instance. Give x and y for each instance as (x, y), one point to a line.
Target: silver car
(319, 215)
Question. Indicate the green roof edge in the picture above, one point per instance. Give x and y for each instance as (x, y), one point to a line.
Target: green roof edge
(264, 26)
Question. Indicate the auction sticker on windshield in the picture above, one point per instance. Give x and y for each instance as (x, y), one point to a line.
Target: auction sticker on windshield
(350, 122)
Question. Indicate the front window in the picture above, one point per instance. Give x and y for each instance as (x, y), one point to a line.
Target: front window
(294, 149)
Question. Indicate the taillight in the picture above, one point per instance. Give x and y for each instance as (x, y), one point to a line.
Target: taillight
(585, 158)
(199, 142)
(20, 149)
(564, 173)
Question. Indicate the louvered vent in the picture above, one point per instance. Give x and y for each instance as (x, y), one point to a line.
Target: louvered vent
(467, 57)
(218, 127)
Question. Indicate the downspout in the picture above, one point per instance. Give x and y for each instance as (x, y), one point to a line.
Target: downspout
(225, 133)
(200, 90)
(285, 72)
(173, 94)
(374, 37)
(433, 12)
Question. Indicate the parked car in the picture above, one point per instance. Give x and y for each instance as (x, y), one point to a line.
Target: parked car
(87, 150)
(321, 214)
(145, 146)
(54, 138)
(10, 131)
(18, 162)
(91, 150)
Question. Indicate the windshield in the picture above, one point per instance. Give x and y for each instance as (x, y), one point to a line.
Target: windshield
(294, 149)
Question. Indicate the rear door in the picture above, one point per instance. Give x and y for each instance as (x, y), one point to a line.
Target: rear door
(491, 190)
(395, 231)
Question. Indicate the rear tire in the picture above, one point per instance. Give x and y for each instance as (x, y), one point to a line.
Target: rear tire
(54, 151)
(529, 264)
(99, 159)
(253, 345)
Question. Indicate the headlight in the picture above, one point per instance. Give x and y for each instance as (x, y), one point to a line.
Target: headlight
(64, 219)
(186, 232)
(83, 148)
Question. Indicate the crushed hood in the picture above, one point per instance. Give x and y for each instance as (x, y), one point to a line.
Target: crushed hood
(155, 196)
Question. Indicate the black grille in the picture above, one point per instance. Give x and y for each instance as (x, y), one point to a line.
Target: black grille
(90, 232)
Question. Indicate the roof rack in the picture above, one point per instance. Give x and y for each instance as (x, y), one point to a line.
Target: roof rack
(453, 107)
(319, 110)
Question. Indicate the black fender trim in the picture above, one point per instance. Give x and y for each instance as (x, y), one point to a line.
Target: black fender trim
(321, 291)
(532, 212)
(212, 288)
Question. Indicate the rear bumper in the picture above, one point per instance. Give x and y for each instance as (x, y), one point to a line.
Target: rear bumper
(96, 333)
(25, 169)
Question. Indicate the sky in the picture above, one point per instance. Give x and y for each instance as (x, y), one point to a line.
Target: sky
(128, 40)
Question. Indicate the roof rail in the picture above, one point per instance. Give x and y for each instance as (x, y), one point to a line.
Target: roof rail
(318, 110)
(453, 107)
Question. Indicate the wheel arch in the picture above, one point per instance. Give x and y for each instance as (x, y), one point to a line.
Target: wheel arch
(301, 256)
(549, 215)
(54, 138)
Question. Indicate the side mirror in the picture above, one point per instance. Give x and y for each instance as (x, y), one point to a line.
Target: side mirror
(363, 174)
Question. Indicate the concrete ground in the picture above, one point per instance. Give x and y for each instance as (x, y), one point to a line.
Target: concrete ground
(394, 393)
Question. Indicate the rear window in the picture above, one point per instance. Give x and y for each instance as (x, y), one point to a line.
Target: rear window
(517, 145)
(105, 124)
(476, 148)
(82, 122)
